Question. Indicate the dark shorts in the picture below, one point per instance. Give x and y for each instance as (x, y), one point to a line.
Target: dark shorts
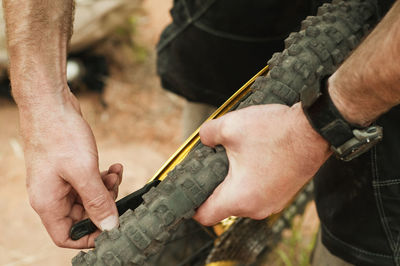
(359, 201)
(214, 46)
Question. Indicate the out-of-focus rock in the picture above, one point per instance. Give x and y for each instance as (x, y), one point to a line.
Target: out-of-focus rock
(94, 20)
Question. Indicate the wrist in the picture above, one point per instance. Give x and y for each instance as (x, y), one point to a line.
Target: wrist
(348, 108)
(347, 139)
(43, 114)
(32, 95)
(38, 80)
(360, 106)
(302, 128)
(44, 105)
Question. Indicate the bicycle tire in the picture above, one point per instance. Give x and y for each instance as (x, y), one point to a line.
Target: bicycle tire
(316, 51)
(246, 239)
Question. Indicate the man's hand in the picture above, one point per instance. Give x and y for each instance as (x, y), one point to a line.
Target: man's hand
(272, 152)
(64, 183)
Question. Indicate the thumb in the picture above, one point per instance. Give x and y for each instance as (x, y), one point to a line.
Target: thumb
(97, 201)
(213, 132)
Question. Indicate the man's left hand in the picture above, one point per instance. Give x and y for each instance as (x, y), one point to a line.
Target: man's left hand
(272, 150)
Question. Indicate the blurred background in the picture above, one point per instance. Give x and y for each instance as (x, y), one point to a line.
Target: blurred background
(112, 71)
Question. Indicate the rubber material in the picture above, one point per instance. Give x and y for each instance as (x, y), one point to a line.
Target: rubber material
(323, 43)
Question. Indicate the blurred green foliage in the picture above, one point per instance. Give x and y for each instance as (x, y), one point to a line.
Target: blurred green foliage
(295, 249)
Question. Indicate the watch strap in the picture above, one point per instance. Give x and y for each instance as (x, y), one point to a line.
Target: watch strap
(347, 141)
(325, 118)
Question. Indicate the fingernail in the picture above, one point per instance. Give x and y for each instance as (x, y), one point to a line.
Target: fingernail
(109, 223)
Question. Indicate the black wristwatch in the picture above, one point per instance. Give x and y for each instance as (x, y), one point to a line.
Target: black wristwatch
(347, 141)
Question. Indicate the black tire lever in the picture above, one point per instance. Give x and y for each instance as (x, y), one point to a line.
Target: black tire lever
(132, 201)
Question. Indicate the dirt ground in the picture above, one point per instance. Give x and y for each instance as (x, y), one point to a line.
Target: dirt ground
(135, 123)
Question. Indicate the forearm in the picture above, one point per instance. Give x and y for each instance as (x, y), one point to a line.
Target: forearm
(38, 32)
(368, 83)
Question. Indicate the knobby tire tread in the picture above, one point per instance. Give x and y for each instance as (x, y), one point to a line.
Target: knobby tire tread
(321, 45)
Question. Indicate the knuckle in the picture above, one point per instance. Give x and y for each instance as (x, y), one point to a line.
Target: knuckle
(97, 203)
(59, 243)
(203, 218)
(81, 174)
(240, 210)
(260, 214)
(243, 207)
(225, 130)
(89, 165)
(205, 221)
(251, 209)
(205, 128)
(278, 209)
(38, 204)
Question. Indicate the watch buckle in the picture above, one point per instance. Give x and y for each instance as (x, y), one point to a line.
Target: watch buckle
(363, 140)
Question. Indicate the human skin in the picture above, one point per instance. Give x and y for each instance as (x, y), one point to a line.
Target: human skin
(272, 149)
(63, 178)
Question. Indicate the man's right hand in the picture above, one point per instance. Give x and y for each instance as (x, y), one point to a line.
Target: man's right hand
(64, 182)
(63, 178)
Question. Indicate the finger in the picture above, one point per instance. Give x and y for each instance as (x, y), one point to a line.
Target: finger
(112, 178)
(111, 181)
(98, 202)
(216, 207)
(114, 194)
(112, 185)
(116, 168)
(82, 243)
(59, 228)
(77, 213)
(103, 173)
(92, 237)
